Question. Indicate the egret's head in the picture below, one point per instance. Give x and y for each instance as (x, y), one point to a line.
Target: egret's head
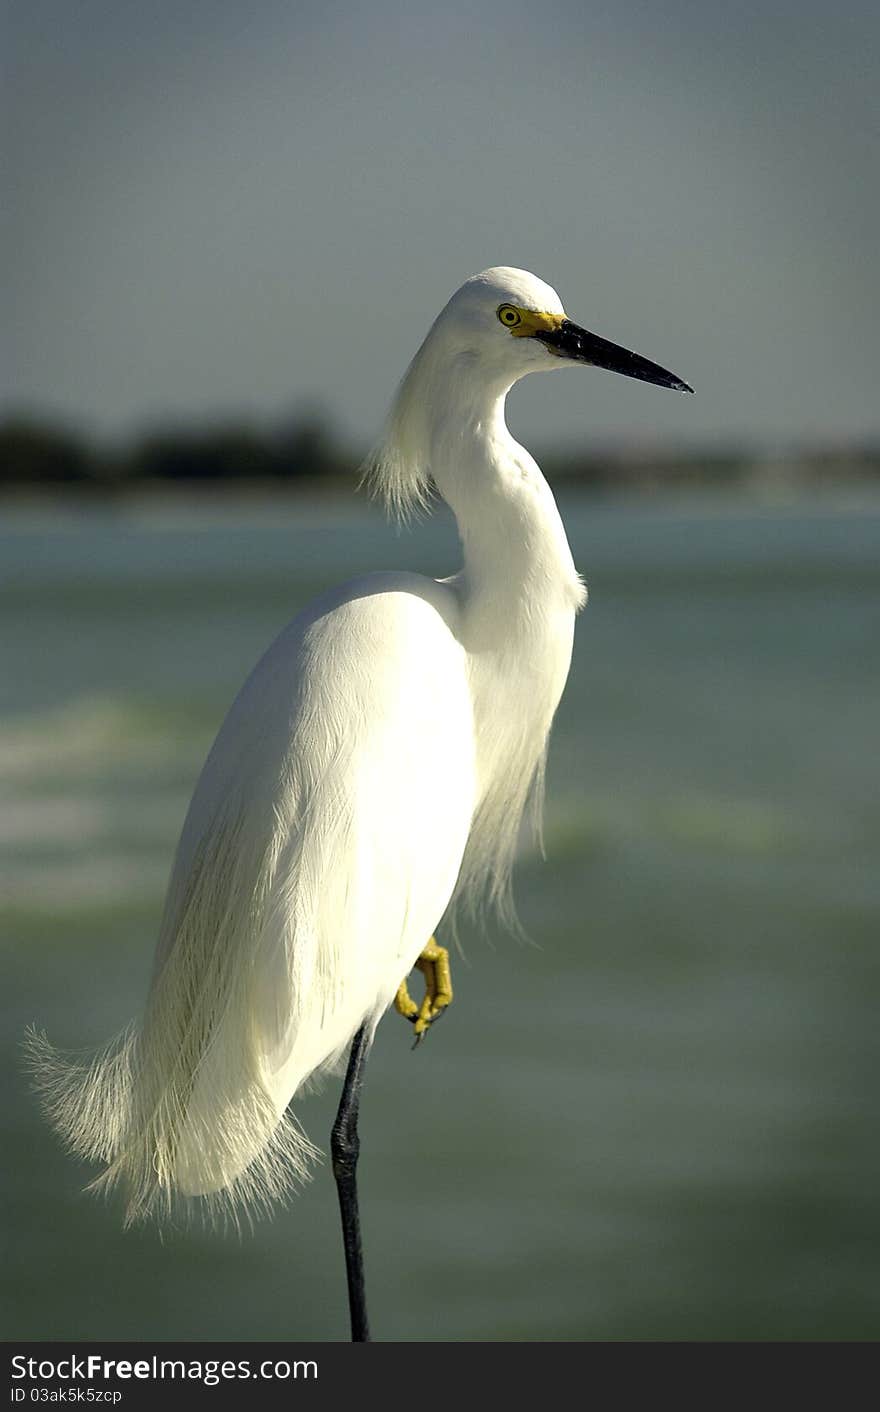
(514, 323)
(499, 326)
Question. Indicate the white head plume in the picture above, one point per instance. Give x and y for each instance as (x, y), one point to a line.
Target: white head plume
(464, 348)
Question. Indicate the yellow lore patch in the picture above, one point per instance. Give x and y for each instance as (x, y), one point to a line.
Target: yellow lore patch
(525, 323)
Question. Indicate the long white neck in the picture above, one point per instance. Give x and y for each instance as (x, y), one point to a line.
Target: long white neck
(512, 536)
(518, 590)
(449, 423)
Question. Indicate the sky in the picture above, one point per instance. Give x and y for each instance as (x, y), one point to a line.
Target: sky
(217, 210)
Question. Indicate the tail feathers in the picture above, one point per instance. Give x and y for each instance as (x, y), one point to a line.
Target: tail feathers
(160, 1143)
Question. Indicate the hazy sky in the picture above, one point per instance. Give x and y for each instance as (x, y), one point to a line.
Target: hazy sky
(217, 208)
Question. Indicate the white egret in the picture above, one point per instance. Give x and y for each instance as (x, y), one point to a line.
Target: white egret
(374, 767)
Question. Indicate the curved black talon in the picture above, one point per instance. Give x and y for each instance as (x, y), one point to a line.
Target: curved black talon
(421, 1035)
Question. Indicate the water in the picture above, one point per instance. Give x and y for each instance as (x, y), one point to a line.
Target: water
(660, 1121)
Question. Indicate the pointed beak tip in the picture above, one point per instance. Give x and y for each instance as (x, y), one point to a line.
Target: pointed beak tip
(569, 340)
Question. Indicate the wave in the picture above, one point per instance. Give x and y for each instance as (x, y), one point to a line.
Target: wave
(95, 791)
(721, 824)
(59, 888)
(90, 733)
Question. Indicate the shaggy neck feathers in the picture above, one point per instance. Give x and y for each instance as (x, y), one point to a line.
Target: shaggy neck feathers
(448, 425)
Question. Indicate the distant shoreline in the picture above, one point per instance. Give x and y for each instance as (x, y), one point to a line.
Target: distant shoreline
(312, 499)
(39, 458)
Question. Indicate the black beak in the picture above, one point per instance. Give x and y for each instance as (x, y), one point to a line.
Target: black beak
(571, 341)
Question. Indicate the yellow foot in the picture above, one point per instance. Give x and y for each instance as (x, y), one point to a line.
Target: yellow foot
(434, 966)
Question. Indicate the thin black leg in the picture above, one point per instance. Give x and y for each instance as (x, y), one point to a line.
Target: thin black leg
(344, 1149)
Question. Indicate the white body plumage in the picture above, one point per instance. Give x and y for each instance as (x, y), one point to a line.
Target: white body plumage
(377, 761)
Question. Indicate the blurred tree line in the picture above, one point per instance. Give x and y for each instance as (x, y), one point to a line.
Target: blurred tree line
(35, 454)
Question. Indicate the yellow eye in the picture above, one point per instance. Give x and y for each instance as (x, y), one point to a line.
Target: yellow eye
(509, 316)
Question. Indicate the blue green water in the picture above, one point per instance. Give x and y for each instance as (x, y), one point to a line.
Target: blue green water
(661, 1120)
